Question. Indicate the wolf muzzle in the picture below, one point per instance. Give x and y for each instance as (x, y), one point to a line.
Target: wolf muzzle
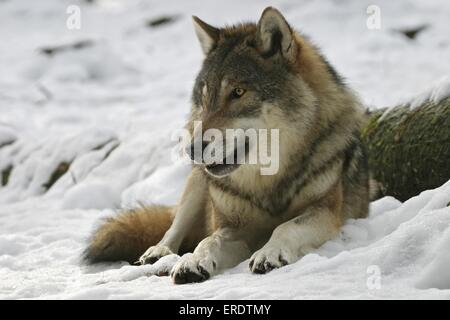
(224, 166)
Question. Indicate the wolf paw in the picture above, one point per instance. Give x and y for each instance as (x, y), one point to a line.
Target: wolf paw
(269, 258)
(192, 269)
(153, 254)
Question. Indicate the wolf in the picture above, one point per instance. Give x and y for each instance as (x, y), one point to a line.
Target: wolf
(255, 75)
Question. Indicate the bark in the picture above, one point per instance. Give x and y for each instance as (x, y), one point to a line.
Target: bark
(409, 149)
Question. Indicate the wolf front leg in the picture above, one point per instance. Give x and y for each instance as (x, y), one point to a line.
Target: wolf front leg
(224, 249)
(190, 214)
(295, 238)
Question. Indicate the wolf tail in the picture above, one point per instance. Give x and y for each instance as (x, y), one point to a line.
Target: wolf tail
(127, 236)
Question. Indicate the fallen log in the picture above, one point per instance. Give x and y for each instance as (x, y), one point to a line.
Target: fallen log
(409, 148)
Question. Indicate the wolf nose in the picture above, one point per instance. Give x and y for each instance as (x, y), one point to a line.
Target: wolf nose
(195, 150)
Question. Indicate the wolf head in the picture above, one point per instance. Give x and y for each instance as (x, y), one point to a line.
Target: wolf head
(257, 76)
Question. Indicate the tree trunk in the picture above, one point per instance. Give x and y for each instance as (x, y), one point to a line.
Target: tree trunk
(409, 148)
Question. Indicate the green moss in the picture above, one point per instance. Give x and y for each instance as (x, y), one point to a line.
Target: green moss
(5, 175)
(371, 124)
(408, 151)
(7, 143)
(59, 171)
(156, 22)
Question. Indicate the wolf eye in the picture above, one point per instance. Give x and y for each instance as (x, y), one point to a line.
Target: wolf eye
(237, 93)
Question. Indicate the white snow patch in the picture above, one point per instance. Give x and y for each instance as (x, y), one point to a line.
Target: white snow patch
(436, 274)
(437, 92)
(7, 135)
(109, 110)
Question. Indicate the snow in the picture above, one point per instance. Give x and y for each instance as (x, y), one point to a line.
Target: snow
(437, 92)
(110, 110)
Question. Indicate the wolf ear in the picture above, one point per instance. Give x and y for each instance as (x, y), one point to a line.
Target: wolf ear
(206, 34)
(275, 35)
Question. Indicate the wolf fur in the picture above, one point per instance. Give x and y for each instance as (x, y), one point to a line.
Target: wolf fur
(285, 83)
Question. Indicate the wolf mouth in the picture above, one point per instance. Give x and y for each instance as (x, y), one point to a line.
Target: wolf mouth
(228, 164)
(221, 169)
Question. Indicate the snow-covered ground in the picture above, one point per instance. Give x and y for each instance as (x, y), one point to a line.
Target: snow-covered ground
(110, 109)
